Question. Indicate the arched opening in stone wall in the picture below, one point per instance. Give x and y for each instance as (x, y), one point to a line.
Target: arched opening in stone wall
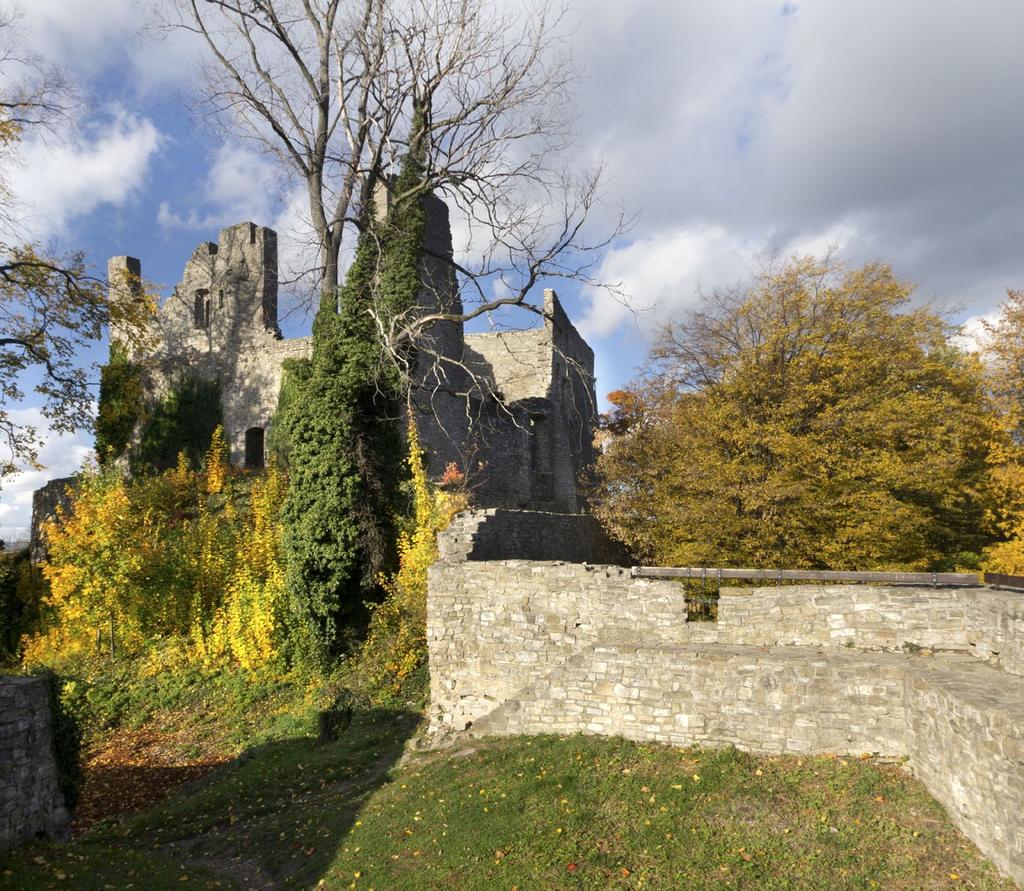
(540, 458)
(201, 309)
(254, 459)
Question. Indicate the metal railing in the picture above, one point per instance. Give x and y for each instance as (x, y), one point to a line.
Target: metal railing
(999, 580)
(717, 574)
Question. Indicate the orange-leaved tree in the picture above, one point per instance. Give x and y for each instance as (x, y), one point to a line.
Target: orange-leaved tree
(812, 419)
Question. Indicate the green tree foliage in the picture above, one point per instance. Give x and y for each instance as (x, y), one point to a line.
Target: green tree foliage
(294, 375)
(346, 452)
(811, 420)
(121, 404)
(183, 421)
(21, 593)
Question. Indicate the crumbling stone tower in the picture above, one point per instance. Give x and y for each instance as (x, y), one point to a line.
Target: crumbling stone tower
(514, 409)
(220, 323)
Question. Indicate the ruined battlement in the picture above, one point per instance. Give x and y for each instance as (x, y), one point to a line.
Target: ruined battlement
(516, 409)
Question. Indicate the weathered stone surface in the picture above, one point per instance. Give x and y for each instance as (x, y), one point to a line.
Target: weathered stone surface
(31, 803)
(45, 502)
(526, 647)
(984, 622)
(514, 409)
(498, 534)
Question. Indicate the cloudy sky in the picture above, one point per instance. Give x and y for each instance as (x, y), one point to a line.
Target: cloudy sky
(737, 128)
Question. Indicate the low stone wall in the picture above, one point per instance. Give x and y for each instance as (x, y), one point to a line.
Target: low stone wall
(965, 738)
(31, 803)
(526, 647)
(987, 623)
(494, 628)
(787, 699)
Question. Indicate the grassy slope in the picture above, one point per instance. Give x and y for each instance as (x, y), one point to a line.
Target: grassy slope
(526, 813)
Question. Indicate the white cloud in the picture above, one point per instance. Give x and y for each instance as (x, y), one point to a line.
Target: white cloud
(108, 164)
(892, 129)
(95, 36)
(974, 337)
(662, 275)
(61, 455)
(241, 185)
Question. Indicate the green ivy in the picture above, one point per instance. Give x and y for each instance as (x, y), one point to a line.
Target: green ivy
(346, 460)
(183, 421)
(120, 406)
(295, 373)
(67, 740)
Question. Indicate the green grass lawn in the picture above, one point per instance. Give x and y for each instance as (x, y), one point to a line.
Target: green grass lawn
(578, 812)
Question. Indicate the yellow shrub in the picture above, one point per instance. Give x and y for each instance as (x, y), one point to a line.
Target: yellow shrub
(184, 559)
(397, 642)
(248, 625)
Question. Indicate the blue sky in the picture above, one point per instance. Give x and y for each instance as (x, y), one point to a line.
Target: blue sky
(736, 128)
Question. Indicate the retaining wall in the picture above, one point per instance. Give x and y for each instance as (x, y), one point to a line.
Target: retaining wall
(526, 647)
(31, 803)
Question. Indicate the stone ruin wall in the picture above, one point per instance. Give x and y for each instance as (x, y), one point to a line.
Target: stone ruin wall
(520, 646)
(515, 409)
(543, 379)
(31, 804)
(45, 502)
(220, 323)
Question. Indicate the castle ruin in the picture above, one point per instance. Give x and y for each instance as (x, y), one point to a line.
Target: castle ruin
(514, 409)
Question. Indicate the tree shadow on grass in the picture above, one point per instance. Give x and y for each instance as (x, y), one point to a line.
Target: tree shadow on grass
(116, 790)
(275, 816)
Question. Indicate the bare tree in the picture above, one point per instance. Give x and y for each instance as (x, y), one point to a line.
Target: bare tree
(328, 87)
(51, 307)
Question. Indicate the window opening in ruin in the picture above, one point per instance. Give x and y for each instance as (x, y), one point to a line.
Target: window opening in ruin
(540, 457)
(201, 309)
(254, 448)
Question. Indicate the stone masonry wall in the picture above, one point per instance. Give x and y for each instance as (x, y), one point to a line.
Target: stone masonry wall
(494, 628)
(529, 647)
(30, 801)
(500, 534)
(984, 622)
(791, 699)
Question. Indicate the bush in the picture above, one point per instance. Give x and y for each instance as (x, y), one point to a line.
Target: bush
(185, 555)
(22, 589)
(183, 421)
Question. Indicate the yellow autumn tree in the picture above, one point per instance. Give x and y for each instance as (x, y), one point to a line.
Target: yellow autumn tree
(395, 650)
(812, 419)
(1004, 366)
